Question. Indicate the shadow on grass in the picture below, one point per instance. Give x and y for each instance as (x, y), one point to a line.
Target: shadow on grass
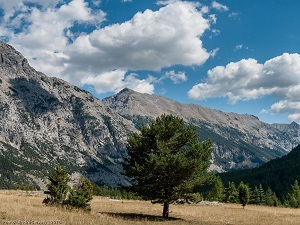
(141, 217)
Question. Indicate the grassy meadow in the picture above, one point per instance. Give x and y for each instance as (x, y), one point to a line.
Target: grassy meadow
(20, 207)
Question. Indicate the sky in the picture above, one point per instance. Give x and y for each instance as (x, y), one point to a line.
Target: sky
(239, 56)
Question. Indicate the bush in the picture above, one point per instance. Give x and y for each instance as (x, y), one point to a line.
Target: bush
(60, 193)
(81, 195)
(58, 188)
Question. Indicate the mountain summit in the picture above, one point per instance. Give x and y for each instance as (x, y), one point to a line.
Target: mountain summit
(240, 141)
(46, 121)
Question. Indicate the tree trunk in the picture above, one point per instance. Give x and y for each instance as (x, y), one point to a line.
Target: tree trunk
(166, 210)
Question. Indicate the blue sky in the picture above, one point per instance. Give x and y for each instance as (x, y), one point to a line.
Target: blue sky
(232, 55)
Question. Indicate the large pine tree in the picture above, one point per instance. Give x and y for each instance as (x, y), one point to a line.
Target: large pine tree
(166, 161)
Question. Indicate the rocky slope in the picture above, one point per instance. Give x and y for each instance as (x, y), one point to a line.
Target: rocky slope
(240, 141)
(45, 121)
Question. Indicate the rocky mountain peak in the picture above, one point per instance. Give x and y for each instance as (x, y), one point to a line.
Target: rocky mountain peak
(294, 125)
(46, 121)
(13, 63)
(243, 138)
(126, 91)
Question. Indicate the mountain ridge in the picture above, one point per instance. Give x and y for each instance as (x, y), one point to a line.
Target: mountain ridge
(278, 174)
(243, 128)
(57, 123)
(46, 121)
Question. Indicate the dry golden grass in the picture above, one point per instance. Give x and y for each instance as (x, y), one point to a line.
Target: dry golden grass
(20, 207)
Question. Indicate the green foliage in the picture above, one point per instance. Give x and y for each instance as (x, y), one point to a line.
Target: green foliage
(16, 164)
(24, 187)
(261, 195)
(258, 196)
(60, 193)
(194, 197)
(115, 193)
(255, 198)
(293, 197)
(244, 194)
(166, 161)
(81, 195)
(278, 174)
(217, 191)
(230, 193)
(271, 198)
(58, 188)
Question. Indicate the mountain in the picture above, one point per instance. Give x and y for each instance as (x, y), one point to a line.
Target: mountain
(46, 121)
(278, 174)
(240, 141)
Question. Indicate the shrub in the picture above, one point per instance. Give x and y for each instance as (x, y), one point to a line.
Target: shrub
(58, 188)
(60, 193)
(81, 195)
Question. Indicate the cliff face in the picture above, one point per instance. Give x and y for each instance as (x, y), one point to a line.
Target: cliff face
(240, 141)
(45, 121)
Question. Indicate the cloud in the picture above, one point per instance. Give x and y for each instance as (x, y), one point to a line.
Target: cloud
(248, 79)
(264, 111)
(151, 40)
(11, 7)
(214, 52)
(233, 15)
(114, 81)
(238, 47)
(175, 77)
(219, 6)
(166, 2)
(45, 34)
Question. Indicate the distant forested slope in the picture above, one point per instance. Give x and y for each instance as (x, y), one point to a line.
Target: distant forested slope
(278, 174)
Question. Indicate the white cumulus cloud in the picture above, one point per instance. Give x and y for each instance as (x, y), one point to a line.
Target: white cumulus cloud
(151, 40)
(248, 79)
(114, 81)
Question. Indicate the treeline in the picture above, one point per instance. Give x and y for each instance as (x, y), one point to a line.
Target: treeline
(105, 191)
(256, 195)
(24, 187)
(278, 174)
(114, 193)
